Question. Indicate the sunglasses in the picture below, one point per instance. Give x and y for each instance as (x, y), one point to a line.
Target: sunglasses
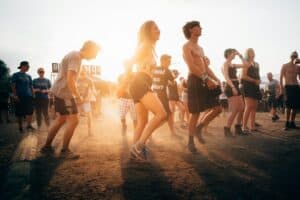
(41, 72)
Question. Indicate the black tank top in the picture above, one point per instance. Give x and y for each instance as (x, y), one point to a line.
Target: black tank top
(253, 72)
(232, 73)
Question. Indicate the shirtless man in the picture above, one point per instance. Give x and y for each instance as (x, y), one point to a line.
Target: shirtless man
(201, 81)
(290, 72)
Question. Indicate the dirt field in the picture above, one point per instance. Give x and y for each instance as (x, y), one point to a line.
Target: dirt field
(265, 165)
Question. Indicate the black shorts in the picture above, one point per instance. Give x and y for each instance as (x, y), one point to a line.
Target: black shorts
(292, 96)
(251, 90)
(140, 85)
(228, 89)
(200, 98)
(224, 103)
(272, 101)
(165, 101)
(65, 106)
(24, 106)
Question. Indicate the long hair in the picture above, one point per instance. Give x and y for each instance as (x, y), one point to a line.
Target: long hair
(144, 35)
(247, 53)
(146, 44)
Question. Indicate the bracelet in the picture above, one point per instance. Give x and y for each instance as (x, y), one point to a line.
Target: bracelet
(204, 77)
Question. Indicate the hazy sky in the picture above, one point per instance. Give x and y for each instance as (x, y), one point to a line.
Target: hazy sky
(43, 31)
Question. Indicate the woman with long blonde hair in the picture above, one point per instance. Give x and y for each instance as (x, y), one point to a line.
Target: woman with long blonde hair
(250, 81)
(140, 89)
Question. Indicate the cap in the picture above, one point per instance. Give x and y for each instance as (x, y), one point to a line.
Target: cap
(23, 63)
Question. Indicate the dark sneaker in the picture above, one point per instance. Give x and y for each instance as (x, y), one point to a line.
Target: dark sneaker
(227, 132)
(138, 152)
(198, 133)
(287, 126)
(257, 124)
(191, 147)
(67, 154)
(47, 150)
(293, 125)
(30, 128)
(238, 130)
(21, 130)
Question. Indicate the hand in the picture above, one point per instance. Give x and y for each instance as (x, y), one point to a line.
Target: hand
(15, 98)
(78, 100)
(257, 82)
(234, 91)
(206, 60)
(211, 84)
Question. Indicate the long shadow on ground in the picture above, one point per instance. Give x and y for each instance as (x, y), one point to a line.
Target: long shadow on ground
(41, 172)
(143, 180)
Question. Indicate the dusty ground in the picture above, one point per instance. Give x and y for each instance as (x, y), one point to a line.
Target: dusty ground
(265, 165)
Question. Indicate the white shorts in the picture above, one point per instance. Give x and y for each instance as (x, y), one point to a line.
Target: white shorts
(125, 106)
(84, 107)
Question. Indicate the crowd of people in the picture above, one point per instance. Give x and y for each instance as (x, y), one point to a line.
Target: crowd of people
(200, 97)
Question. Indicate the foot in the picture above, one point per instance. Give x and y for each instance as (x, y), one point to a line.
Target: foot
(227, 132)
(293, 125)
(47, 150)
(257, 124)
(21, 130)
(287, 126)
(67, 154)
(30, 128)
(138, 152)
(192, 148)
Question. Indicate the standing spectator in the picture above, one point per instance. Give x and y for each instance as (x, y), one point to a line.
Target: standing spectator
(41, 88)
(185, 115)
(290, 72)
(23, 95)
(4, 91)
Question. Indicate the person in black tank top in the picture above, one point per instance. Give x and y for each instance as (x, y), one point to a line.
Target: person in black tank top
(174, 98)
(250, 82)
(232, 91)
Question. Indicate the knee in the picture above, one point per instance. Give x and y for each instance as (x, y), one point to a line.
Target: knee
(218, 109)
(162, 115)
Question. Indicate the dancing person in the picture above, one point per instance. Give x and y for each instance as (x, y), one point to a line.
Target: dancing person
(67, 96)
(273, 95)
(290, 73)
(174, 100)
(201, 83)
(85, 88)
(252, 94)
(140, 90)
(126, 103)
(161, 78)
(41, 88)
(23, 96)
(232, 91)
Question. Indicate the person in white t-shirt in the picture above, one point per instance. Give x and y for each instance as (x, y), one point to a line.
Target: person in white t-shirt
(66, 97)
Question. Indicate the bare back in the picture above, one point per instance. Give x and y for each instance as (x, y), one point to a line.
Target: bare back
(289, 73)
